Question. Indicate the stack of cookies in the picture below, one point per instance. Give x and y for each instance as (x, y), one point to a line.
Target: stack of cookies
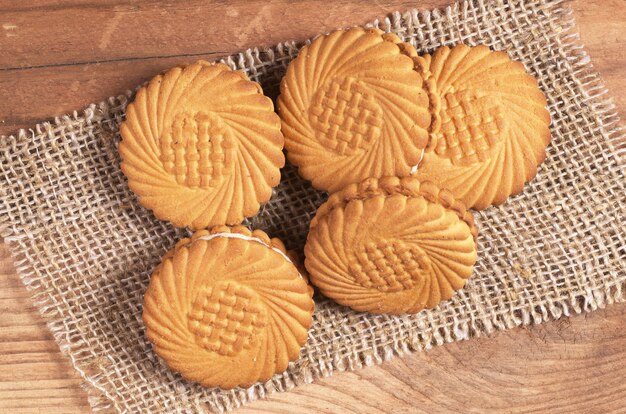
(202, 148)
(405, 145)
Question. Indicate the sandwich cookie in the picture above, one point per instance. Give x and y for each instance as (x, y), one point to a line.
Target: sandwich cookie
(228, 308)
(493, 124)
(391, 245)
(201, 146)
(353, 107)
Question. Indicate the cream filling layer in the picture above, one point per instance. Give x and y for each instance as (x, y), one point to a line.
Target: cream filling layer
(414, 168)
(247, 238)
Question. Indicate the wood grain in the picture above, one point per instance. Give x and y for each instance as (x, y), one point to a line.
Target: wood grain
(56, 57)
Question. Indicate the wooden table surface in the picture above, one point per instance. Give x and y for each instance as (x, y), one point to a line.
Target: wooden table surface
(59, 56)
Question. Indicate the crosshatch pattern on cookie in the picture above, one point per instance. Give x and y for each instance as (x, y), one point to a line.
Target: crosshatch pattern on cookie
(224, 318)
(198, 149)
(346, 116)
(471, 126)
(388, 265)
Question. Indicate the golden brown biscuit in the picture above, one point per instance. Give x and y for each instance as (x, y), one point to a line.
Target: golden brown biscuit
(392, 245)
(201, 146)
(352, 107)
(493, 128)
(228, 308)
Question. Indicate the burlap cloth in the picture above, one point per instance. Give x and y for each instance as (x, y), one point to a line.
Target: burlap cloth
(85, 247)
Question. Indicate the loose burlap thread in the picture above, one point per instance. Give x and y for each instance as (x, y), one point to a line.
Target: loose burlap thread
(85, 248)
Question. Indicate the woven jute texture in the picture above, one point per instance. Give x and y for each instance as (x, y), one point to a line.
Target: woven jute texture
(85, 247)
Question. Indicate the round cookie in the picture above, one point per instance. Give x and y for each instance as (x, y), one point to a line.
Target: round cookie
(392, 245)
(353, 107)
(494, 125)
(228, 308)
(201, 146)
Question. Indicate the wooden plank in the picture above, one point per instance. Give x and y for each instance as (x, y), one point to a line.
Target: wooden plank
(34, 375)
(72, 71)
(56, 91)
(572, 365)
(116, 30)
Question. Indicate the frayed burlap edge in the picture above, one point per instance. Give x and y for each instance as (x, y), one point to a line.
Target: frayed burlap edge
(111, 110)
